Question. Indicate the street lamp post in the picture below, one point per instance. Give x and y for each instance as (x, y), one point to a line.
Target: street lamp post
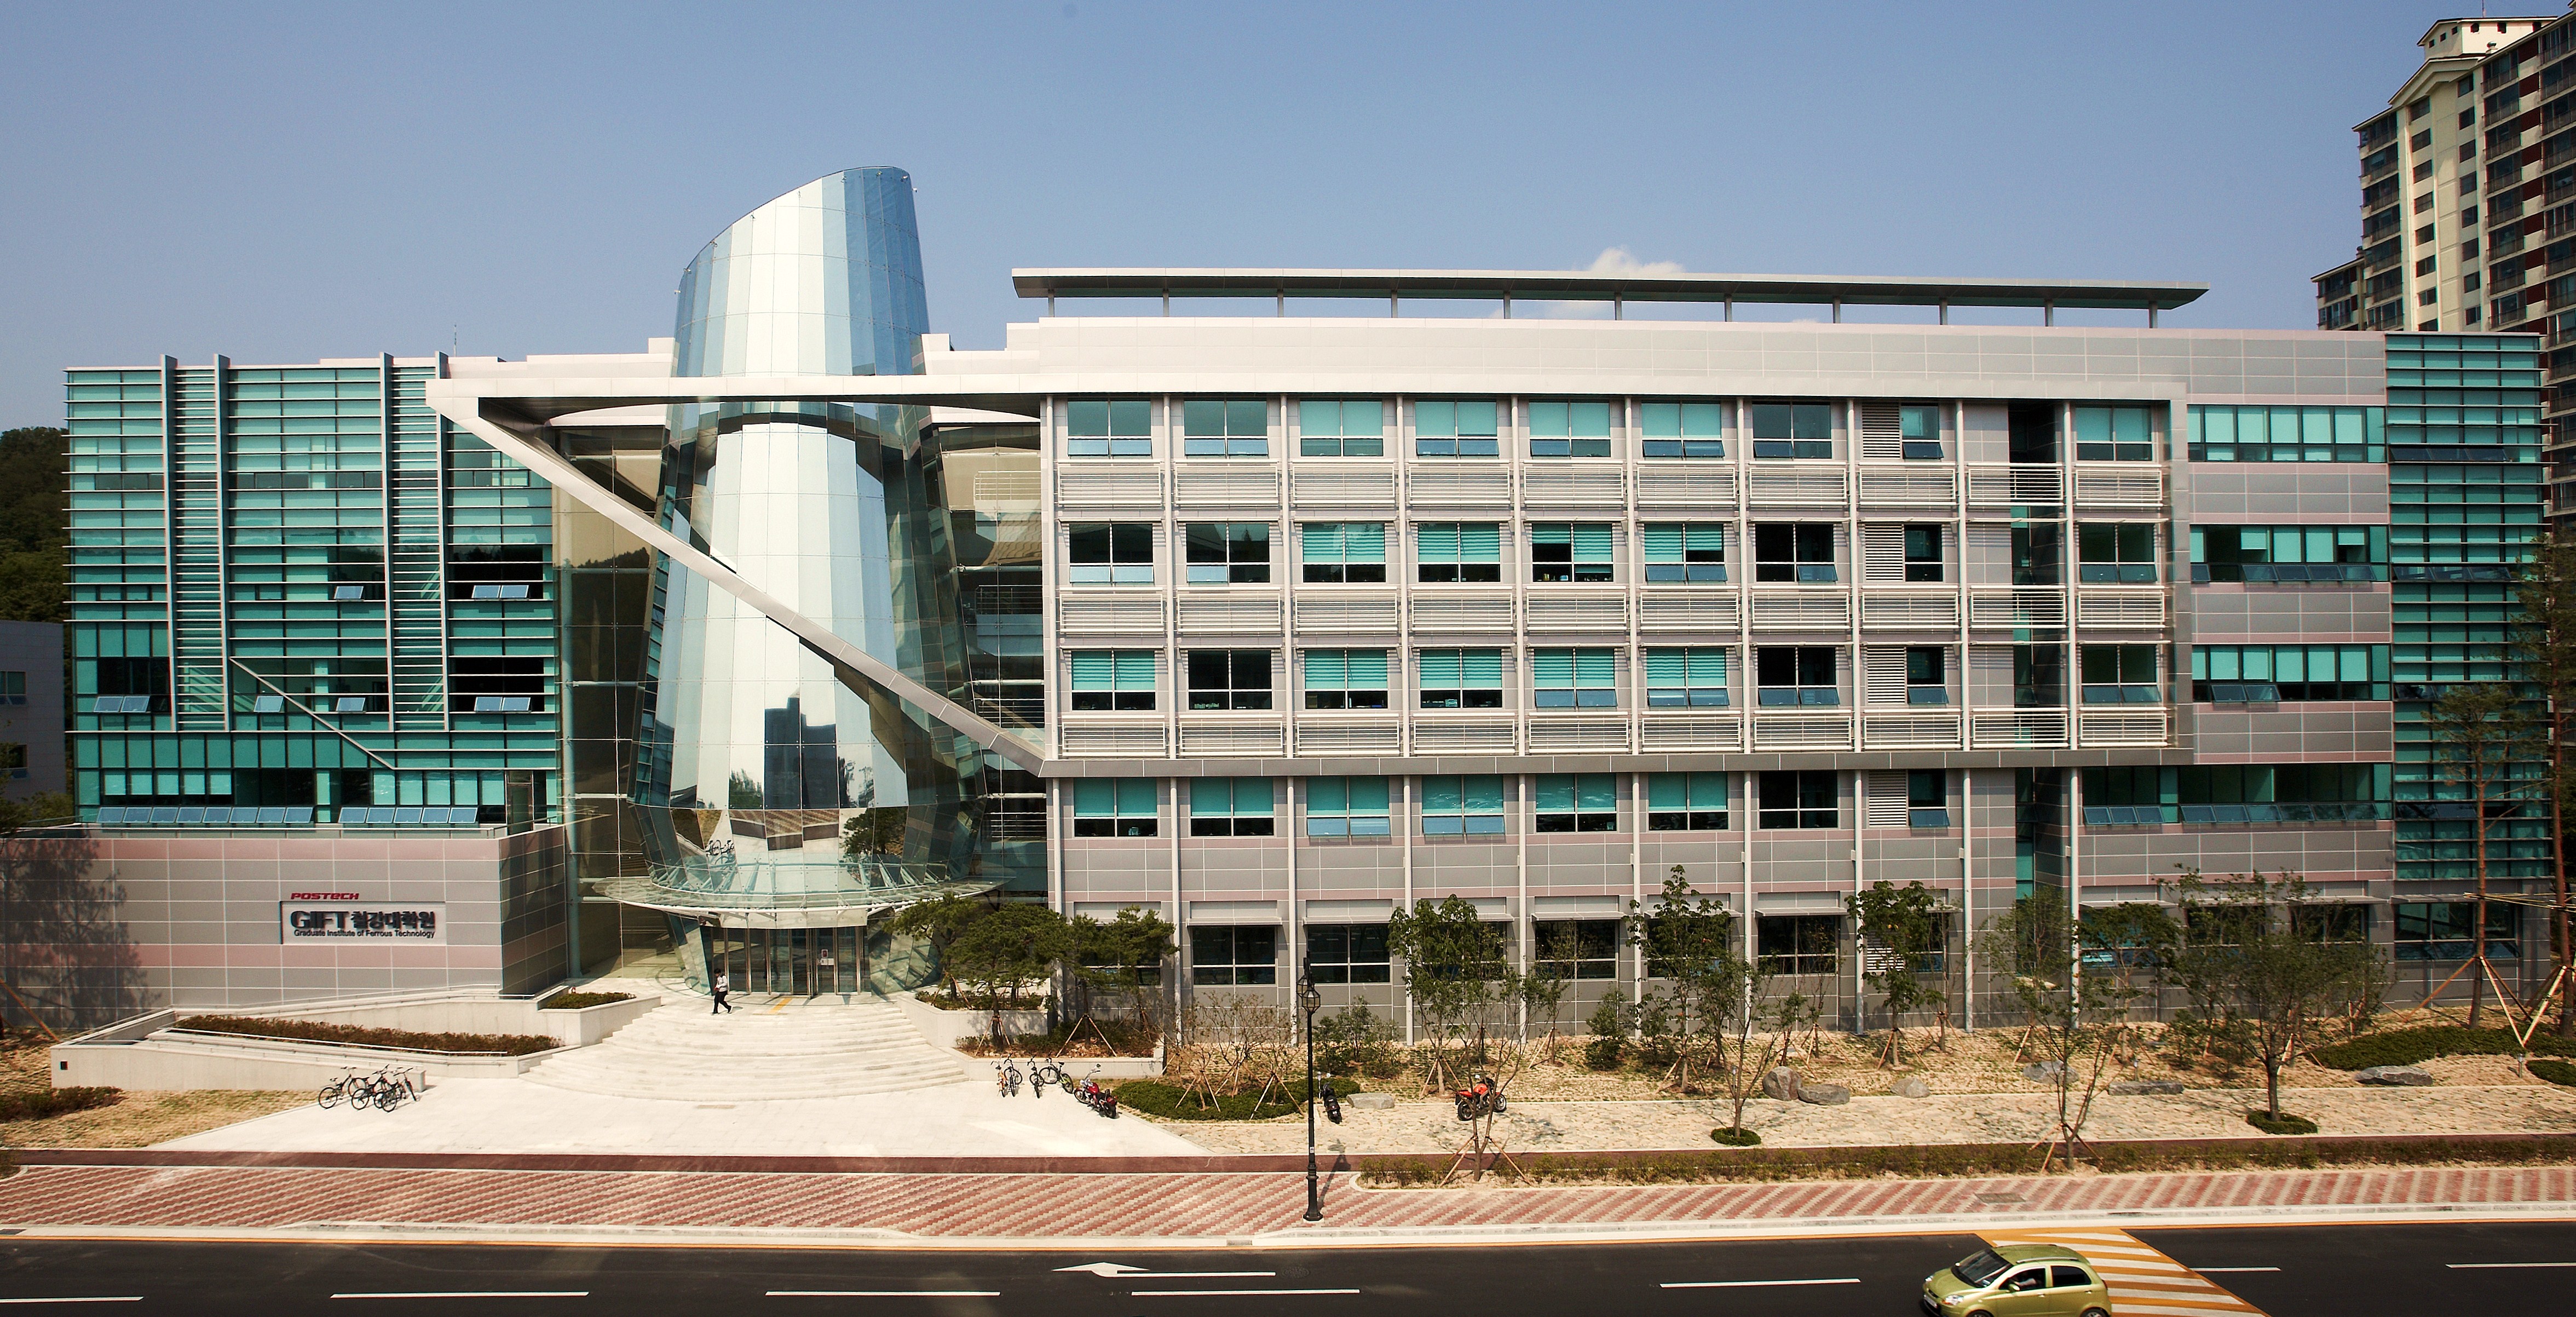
(1312, 1001)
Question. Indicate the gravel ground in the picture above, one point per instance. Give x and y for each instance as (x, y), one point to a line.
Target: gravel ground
(1432, 1127)
(138, 1119)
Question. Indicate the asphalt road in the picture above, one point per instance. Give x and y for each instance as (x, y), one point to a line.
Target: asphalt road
(2321, 1270)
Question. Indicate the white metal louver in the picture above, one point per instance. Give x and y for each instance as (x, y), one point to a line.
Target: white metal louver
(1881, 435)
(1882, 553)
(1883, 674)
(1885, 805)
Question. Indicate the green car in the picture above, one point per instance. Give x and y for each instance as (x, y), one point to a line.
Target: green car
(2018, 1280)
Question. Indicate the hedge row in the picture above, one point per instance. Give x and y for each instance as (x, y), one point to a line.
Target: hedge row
(1940, 1161)
(2556, 1072)
(36, 1104)
(2410, 1046)
(573, 1001)
(310, 1031)
(1155, 1097)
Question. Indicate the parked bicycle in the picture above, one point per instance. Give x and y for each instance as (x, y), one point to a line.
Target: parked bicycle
(1006, 1078)
(384, 1090)
(1044, 1075)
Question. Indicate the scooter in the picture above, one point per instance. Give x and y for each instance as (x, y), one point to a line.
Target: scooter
(1481, 1097)
(1090, 1094)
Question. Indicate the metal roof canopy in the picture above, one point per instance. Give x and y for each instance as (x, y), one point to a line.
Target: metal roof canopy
(1578, 286)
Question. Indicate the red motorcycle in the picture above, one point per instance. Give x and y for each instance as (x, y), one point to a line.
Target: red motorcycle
(1090, 1094)
(1481, 1097)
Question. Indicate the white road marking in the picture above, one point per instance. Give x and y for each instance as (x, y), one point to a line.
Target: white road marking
(86, 1298)
(885, 1294)
(2492, 1266)
(2236, 1268)
(1752, 1284)
(1117, 1269)
(471, 1294)
(1213, 1294)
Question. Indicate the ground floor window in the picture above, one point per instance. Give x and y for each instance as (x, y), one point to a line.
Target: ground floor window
(2446, 930)
(1805, 798)
(1798, 944)
(1123, 807)
(1578, 948)
(1226, 955)
(1348, 953)
(1685, 802)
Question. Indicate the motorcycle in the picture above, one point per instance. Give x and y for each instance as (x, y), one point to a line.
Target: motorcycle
(1482, 1096)
(1090, 1094)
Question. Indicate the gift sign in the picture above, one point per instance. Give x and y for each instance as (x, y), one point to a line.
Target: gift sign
(305, 921)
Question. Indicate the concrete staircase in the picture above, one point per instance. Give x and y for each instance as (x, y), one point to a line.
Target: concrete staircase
(762, 1052)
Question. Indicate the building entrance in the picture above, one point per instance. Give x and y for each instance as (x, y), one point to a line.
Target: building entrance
(799, 962)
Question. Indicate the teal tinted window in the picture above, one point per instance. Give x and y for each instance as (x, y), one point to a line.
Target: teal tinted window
(1239, 428)
(2289, 554)
(1123, 807)
(1462, 806)
(1347, 807)
(1346, 679)
(1574, 802)
(2288, 434)
(2116, 553)
(1685, 550)
(1460, 678)
(1458, 551)
(1575, 678)
(1685, 802)
(1232, 806)
(1569, 429)
(1681, 429)
(1119, 428)
(1107, 680)
(2266, 674)
(1344, 552)
(2114, 434)
(1798, 430)
(1571, 551)
(1686, 677)
(1462, 428)
(1341, 428)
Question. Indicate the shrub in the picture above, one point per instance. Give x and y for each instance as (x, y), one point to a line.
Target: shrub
(1122, 1038)
(2285, 1123)
(1602, 1051)
(311, 1031)
(1155, 1097)
(2412, 1046)
(1735, 1138)
(2556, 1072)
(573, 1001)
(43, 1102)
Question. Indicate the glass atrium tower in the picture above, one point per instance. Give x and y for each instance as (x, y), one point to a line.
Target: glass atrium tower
(761, 768)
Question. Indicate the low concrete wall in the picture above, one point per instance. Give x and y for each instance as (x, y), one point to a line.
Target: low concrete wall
(471, 1013)
(177, 1061)
(947, 1028)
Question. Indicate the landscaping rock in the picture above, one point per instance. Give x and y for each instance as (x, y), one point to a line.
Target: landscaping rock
(1910, 1086)
(1370, 1101)
(2144, 1088)
(1824, 1095)
(2043, 1072)
(1780, 1084)
(2396, 1076)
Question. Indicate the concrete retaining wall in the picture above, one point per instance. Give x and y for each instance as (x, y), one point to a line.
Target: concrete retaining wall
(947, 1028)
(173, 1061)
(473, 1013)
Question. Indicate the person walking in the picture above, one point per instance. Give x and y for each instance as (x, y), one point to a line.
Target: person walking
(723, 985)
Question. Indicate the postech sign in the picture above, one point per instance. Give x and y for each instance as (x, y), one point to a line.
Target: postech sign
(304, 919)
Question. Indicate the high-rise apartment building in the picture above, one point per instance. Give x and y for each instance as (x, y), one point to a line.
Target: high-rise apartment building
(1274, 623)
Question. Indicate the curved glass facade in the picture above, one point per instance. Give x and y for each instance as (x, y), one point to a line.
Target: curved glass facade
(757, 758)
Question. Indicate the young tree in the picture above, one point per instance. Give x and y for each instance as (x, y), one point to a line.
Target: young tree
(1689, 944)
(2126, 948)
(1005, 949)
(2033, 944)
(1541, 991)
(2544, 650)
(1453, 964)
(2482, 734)
(1906, 923)
(1125, 956)
(2264, 977)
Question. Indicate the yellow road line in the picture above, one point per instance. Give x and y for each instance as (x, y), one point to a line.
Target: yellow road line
(2143, 1280)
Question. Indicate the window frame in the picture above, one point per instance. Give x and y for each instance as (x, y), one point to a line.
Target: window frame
(1125, 668)
(1934, 692)
(1233, 807)
(1340, 806)
(2502, 928)
(1596, 944)
(1467, 694)
(1574, 802)
(2226, 674)
(1236, 694)
(1801, 667)
(1111, 440)
(2115, 552)
(1797, 437)
(1794, 552)
(2104, 434)
(1589, 549)
(1589, 680)
(1455, 563)
(1927, 808)
(1342, 568)
(1786, 800)
(1928, 568)
(1221, 552)
(1456, 805)
(1697, 687)
(1799, 956)
(1697, 549)
(1342, 438)
(1348, 954)
(1917, 442)
(1682, 438)
(2119, 674)
(1117, 544)
(1238, 968)
(1563, 428)
(1133, 807)
(1437, 428)
(1690, 792)
(1224, 439)
(1343, 694)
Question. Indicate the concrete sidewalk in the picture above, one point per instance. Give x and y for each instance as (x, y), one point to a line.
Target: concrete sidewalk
(1195, 1208)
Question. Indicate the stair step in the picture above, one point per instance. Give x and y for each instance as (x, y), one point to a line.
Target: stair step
(682, 1052)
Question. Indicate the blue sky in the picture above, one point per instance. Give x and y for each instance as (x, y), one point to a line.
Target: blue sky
(281, 183)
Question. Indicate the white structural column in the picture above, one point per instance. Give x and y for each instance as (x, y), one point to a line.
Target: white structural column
(1968, 898)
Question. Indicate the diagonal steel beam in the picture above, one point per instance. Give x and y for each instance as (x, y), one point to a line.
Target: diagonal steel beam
(864, 672)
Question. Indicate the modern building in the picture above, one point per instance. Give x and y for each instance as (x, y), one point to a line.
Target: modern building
(31, 709)
(1275, 622)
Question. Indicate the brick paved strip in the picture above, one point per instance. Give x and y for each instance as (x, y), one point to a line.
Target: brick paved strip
(1141, 1205)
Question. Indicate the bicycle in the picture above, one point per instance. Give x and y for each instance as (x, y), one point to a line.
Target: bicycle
(1044, 1075)
(1006, 1078)
(334, 1091)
